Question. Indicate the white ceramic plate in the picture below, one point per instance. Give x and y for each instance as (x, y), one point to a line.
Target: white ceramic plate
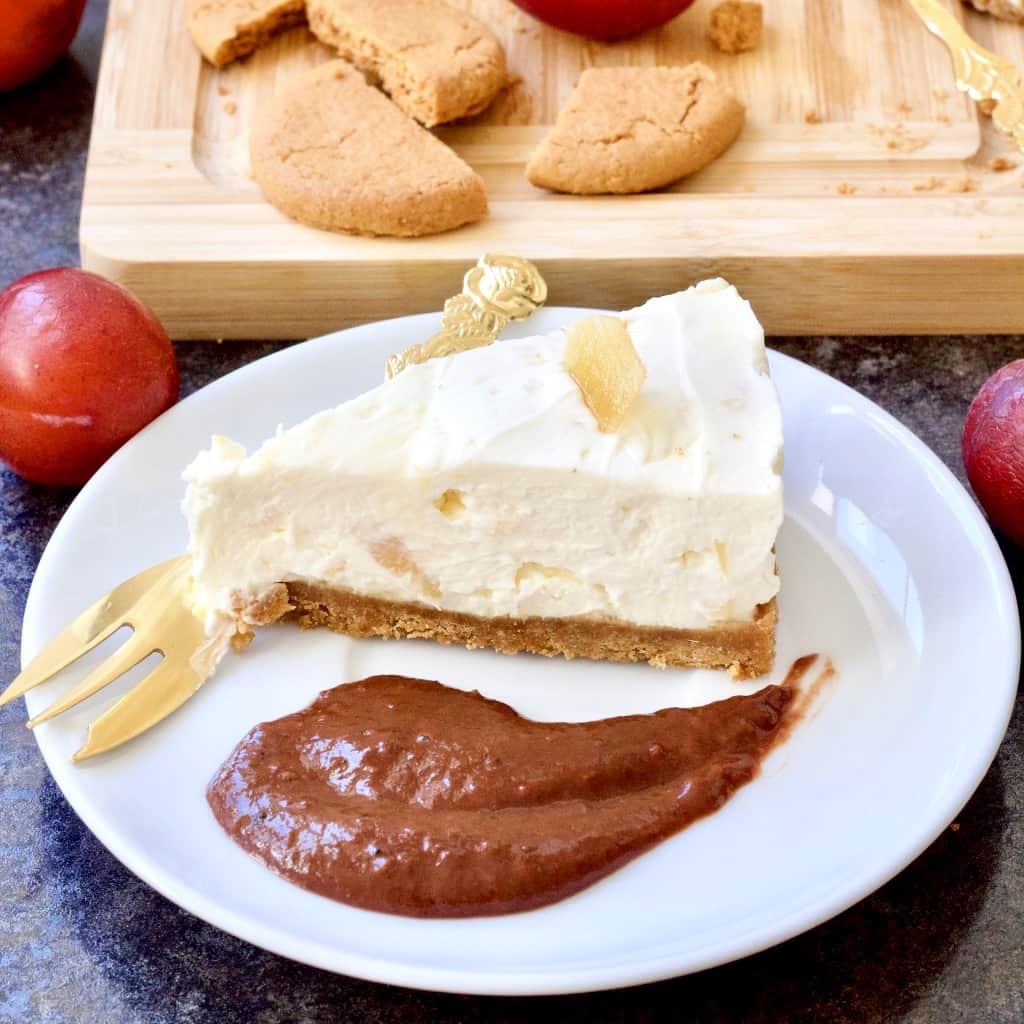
(888, 569)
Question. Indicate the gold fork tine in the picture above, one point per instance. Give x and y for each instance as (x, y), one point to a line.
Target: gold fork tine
(127, 656)
(92, 627)
(182, 641)
(164, 690)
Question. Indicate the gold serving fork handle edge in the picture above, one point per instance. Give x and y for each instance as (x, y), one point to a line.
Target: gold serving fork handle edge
(980, 73)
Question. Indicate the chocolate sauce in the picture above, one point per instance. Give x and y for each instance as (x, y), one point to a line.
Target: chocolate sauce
(407, 796)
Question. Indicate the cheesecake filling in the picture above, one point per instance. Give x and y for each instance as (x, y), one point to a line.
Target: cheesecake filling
(482, 484)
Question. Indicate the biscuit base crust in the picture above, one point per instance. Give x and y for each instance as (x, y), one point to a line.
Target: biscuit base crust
(746, 649)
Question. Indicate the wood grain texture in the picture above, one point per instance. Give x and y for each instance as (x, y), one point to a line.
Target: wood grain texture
(859, 197)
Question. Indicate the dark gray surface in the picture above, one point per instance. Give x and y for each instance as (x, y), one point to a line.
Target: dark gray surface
(81, 939)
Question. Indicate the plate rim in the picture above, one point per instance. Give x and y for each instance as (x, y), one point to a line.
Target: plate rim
(518, 982)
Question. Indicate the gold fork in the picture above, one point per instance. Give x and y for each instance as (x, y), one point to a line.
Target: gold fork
(156, 602)
(981, 74)
(155, 605)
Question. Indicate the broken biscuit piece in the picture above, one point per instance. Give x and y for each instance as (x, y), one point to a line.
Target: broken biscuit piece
(225, 30)
(629, 129)
(335, 153)
(436, 62)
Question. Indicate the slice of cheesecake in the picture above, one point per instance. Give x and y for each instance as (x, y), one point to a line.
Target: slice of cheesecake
(611, 490)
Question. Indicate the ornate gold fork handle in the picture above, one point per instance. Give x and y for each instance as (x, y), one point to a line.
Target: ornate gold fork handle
(981, 74)
(498, 289)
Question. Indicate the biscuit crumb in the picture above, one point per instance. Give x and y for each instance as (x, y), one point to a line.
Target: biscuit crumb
(1001, 163)
(930, 184)
(240, 641)
(897, 137)
(736, 26)
(940, 94)
(811, 115)
(943, 118)
(230, 107)
(844, 188)
(904, 107)
(955, 827)
(222, 90)
(986, 107)
(960, 185)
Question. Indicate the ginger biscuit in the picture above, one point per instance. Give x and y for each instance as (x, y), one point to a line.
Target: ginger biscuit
(225, 30)
(335, 153)
(436, 62)
(631, 129)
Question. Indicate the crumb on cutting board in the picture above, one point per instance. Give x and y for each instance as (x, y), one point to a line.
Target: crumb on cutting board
(940, 94)
(811, 115)
(736, 26)
(930, 184)
(845, 188)
(904, 107)
(230, 107)
(942, 117)
(898, 137)
(223, 90)
(1001, 163)
(965, 184)
(986, 107)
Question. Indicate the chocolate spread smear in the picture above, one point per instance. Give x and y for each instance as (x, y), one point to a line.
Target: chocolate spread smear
(407, 796)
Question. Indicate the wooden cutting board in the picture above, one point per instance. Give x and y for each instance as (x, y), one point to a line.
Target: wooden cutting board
(859, 198)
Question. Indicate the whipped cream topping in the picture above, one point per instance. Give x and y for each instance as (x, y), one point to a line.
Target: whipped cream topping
(480, 483)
